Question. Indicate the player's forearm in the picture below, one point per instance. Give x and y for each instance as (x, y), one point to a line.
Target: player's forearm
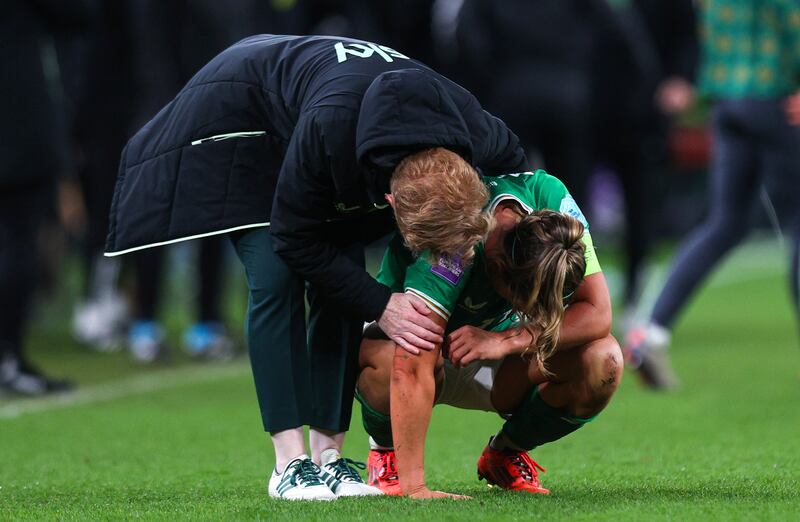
(411, 401)
(588, 318)
(583, 323)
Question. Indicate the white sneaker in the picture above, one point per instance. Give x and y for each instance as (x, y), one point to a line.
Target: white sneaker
(299, 481)
(100, 323)
(646, 351)
(342, 477)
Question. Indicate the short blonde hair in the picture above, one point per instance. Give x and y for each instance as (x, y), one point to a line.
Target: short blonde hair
(439, 204)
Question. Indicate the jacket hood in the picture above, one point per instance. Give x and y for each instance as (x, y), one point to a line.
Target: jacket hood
(402, 112)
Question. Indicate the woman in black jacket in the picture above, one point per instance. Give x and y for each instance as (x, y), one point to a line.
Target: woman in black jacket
(289, 143)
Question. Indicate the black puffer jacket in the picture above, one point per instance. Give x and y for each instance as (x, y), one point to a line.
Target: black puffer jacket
(296, 132)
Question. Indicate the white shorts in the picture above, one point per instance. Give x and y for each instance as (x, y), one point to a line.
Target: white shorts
(469, 388)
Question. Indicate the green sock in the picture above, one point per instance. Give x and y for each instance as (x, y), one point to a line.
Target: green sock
(535, 423)
(378, 425)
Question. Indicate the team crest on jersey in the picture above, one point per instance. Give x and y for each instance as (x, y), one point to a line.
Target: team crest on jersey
(569, 207)
(366, 51)
(449, 268)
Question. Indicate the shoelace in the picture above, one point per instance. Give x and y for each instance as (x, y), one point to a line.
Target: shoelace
(388, 470)
(305, 473)
(345, 469)
(528, 468)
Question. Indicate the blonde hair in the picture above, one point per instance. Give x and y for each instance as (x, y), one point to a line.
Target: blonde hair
(439, 200)
(542, 263)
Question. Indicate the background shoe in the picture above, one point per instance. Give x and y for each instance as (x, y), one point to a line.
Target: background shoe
(209, 341)
(299, 481)
(146, 341)
(510, 469)
(342, 477)
(382, 472)
(646, 350)
(22, 379)
(101, 323)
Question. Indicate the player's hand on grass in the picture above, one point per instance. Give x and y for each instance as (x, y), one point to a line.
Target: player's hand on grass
(468, 344)
(426, 494)
(405, 321)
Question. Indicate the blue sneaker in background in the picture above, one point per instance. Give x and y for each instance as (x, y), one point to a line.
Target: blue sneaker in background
(209, 341)
(146, 341)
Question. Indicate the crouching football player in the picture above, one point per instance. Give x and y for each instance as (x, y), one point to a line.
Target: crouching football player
(528, 324)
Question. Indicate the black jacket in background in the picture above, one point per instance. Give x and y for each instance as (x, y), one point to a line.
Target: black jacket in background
(298, 133)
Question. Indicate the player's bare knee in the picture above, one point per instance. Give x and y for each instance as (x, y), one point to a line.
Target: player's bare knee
(375, 353)
(603, 367)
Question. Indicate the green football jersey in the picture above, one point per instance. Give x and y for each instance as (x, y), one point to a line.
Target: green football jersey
(464, 295)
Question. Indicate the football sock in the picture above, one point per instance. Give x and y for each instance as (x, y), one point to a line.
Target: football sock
(378, 425)
(375, 446)
(501, 442)
(328, 456)
(535, 423)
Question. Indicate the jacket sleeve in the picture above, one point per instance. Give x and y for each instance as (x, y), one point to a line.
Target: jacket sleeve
(303, 199)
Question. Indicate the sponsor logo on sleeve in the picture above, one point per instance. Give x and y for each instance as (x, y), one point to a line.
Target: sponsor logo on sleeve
(569, 207)
(449, 268)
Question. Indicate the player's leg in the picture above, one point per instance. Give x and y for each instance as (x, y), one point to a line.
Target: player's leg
(372, 391)
(146, 335)
(22, 210)
(794, 270)
(544, 408)
(276, 339)
(780, 161)
(208, 338)
(333, 341)
(733, 188)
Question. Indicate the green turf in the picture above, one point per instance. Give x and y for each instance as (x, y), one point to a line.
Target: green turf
(726, 447)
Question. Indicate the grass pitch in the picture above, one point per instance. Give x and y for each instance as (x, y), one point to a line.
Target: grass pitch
(183, 441)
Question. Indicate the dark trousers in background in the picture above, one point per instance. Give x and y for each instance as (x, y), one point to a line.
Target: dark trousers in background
(754, 147)
(22, 209)
(637, 153)
(150, 264)
(304, 376)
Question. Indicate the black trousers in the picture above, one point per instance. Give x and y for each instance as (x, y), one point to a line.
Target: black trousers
(304, 372)
(22, 210)
(149, 265)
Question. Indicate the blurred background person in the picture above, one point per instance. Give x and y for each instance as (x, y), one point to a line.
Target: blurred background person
(532, 64)
(33, 148)
(750, 71)
(642, 70)
(101, 79)
(132, 77)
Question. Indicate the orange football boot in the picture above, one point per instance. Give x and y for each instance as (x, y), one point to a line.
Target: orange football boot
(510, 469)
(382, 472)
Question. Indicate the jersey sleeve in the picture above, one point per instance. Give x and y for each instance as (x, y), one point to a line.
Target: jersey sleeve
(552, 194)
(592, 263)
(439, 284)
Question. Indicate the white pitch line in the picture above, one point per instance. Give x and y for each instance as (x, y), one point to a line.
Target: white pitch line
(150, 382)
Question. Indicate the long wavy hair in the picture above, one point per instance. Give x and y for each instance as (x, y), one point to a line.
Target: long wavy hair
(542, 263)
